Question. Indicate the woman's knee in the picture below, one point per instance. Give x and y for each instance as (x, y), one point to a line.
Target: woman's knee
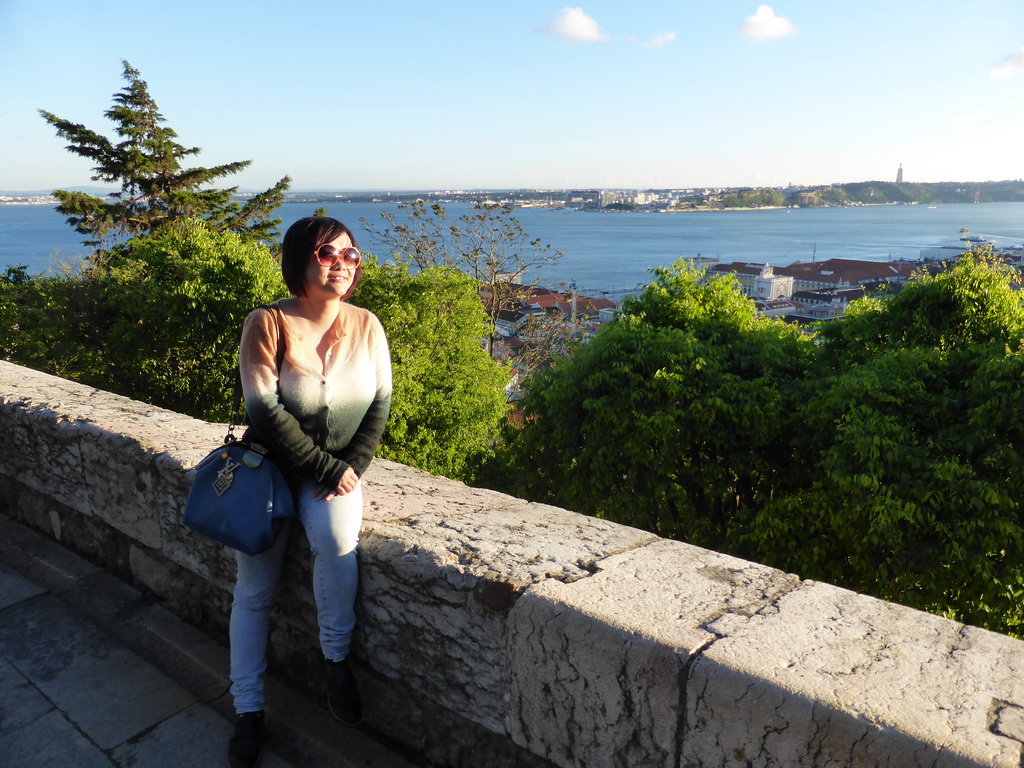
(256, 582)
(254, 596)
(332, 527)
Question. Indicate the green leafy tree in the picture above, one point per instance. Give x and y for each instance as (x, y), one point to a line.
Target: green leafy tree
(916, 443)
(155, 188)
(974, 302)
(916, 486)
(159, 322)
(184, 294)
(674, 418)
(448, 404)
(48, 323)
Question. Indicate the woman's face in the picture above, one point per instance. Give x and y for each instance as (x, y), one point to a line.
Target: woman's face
(334, 280)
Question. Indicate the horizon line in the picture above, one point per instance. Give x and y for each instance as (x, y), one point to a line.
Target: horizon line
(391, 190)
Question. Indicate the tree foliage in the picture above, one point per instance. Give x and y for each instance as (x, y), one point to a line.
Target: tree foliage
(155, 189)
(159, 322)
(754, 198)
(916, 445)
(448, 404)
(915, 490)
(884, 457)
(670, 418)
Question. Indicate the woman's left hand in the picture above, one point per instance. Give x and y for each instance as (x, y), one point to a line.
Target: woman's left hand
(347, 484)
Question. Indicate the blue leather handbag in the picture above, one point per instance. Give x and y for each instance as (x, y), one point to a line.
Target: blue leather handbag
(238, 497)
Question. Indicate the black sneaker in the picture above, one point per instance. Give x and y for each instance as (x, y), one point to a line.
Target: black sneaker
(245, 750)
(342, 695)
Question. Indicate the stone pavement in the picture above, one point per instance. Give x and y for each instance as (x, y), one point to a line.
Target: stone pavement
(93, 674)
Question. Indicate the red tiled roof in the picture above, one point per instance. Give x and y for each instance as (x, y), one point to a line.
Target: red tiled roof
(594, 304)
(545, 301)
(850, 271)
(830, 271)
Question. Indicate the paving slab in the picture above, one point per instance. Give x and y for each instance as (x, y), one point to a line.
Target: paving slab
(20, 702)
(15, 588)
(50, 741)
(197, 736)
(75, 665)
(132, 617)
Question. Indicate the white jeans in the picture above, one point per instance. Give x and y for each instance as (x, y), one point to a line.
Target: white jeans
(332, 528)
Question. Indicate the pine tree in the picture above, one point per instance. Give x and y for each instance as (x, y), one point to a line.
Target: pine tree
(156, 189)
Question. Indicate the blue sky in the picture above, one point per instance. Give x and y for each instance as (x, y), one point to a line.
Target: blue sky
(456, 95)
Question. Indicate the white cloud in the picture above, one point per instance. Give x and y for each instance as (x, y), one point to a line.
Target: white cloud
(661, 40)
(1010, 66)
(764, 25)
(574, 26)
(971, 118)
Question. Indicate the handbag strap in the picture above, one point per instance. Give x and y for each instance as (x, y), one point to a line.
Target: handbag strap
(238, 399)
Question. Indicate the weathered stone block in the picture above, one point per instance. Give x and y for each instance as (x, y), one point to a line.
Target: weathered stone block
(443, 584)
(830, 677)
(41, 449)
(597, 665)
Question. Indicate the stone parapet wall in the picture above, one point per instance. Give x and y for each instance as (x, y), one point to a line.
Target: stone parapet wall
(503, 633)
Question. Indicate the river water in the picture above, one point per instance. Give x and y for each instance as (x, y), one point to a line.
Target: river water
(613, 252)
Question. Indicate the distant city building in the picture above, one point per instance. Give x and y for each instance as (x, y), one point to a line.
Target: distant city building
(899, 174)
(582, 315)
(764, 282)
(744, 273)
(585, 198)
(759, 281)
(701, 262)
(845, 273)
(768, 285)
(827, 304)
(776, 307)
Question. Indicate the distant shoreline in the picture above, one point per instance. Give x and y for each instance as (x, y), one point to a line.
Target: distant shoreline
(788, 207)
(300, 198)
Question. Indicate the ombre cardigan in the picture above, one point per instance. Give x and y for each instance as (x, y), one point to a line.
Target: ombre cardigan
(316, 420)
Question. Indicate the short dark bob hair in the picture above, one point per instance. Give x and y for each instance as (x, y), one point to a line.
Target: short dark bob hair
(301, 241)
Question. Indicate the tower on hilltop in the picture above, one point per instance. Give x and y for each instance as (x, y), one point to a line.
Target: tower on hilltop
(899, 175)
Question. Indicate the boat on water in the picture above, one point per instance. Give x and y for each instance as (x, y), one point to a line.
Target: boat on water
(967, 237)
(951, 251)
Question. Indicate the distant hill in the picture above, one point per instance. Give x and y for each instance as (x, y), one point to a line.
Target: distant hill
(882, 192)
